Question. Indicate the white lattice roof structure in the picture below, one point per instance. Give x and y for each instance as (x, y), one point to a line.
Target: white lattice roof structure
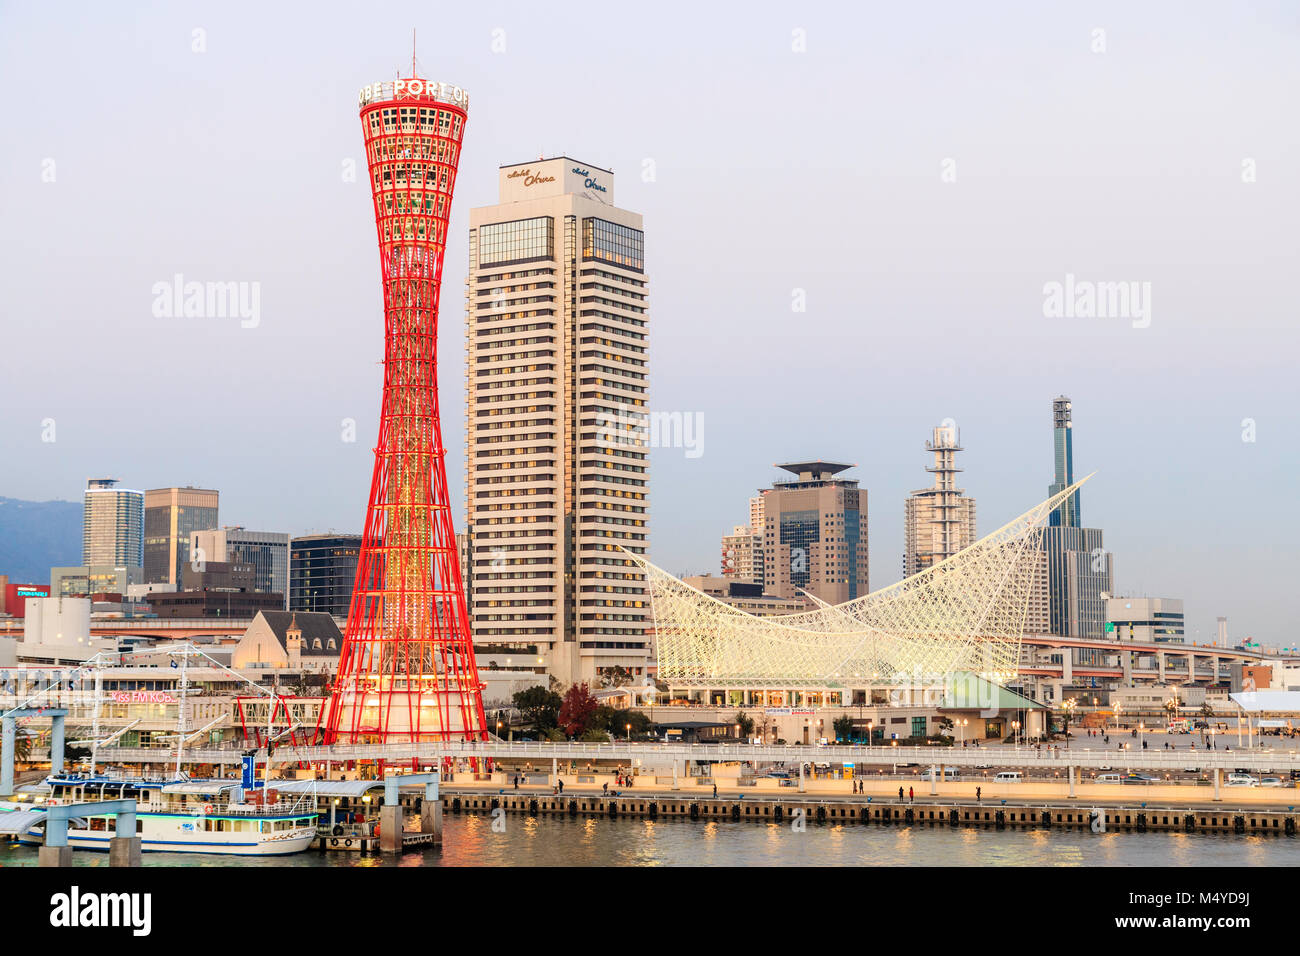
(964, 614)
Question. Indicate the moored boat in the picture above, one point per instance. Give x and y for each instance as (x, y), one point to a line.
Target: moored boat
(184, 815)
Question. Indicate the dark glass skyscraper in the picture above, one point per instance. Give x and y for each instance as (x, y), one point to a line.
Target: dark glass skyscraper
(322, 570)
(1079, 568)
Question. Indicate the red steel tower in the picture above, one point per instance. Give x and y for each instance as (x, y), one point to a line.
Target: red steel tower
(407, 671)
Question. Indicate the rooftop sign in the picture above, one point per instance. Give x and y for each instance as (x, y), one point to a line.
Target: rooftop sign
(413, 88)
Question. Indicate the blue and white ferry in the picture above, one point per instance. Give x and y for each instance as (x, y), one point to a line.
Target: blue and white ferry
(185, 815)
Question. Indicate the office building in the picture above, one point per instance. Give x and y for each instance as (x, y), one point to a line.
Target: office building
(938, 521)
(742, 555)
(815, 534)
(322, 570)
(97, 579)
(218, 589)
(171, 515)
(112, 525)
(266, 551)
(1145, 620)
(1079, 569)
(556, 421)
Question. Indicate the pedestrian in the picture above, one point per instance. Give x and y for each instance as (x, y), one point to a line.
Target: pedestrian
(911, 796)
(900, 794)
(715, 791)
(978, 791)
(561, 785)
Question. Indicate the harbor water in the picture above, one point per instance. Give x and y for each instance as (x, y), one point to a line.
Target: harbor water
(470, 840)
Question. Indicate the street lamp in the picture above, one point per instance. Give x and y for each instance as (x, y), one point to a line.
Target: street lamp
(629, 733)
(1015, 730)
(1068, 706)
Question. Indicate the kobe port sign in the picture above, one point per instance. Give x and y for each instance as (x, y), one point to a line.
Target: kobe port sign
(413, 89)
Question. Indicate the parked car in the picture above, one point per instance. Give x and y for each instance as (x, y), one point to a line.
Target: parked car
(1241, 780)
(1009, 776)
(1271, 782)
(1140, 778)
(1109, 778)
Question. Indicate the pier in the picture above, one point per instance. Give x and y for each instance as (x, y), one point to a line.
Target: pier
(1128, 817)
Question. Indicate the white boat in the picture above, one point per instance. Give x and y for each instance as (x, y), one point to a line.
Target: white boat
(184, 815)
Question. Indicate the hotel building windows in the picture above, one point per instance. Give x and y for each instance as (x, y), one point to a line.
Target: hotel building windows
(555, 347)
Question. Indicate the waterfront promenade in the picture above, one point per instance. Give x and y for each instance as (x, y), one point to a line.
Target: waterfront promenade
(1254, 760)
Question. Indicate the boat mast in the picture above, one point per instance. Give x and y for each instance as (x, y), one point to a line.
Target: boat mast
(180, 711)
(94, 733)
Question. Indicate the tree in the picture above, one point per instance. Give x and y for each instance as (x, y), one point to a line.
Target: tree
(746, 723)
(618, 677)
(540, 707)
(843, 728)
(578, 710)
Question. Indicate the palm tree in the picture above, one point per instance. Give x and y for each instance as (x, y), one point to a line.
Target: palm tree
(22, 747)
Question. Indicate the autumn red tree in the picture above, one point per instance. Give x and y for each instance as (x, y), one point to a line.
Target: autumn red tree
(578, 710)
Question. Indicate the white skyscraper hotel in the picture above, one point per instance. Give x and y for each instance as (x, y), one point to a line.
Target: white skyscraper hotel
(555, 355)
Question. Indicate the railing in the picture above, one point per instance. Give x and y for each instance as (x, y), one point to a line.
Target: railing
(977, 757)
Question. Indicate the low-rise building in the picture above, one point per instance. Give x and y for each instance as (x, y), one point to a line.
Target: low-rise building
(297, 640)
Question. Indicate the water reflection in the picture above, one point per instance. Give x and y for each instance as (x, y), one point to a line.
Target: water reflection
(599, 841)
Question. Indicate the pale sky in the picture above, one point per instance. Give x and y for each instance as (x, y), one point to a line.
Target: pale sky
(1161, 150)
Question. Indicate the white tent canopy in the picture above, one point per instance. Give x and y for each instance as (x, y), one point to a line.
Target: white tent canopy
(1268, 701)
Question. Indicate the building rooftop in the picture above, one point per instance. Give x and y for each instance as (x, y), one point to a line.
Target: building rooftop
(563, 156)
(313, 624)
(819, 469)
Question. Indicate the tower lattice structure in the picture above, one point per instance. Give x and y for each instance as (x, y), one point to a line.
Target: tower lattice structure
(406, 670)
